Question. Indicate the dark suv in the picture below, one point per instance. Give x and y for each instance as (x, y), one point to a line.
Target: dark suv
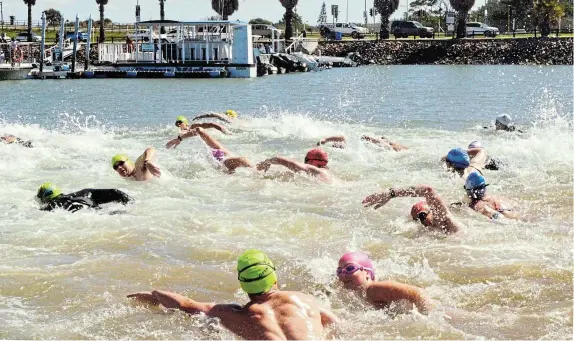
(400, 28)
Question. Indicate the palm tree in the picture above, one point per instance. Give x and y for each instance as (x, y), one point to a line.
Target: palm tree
(225, 8)
(30, 3)
(545, 12)
(289, 5)
(462, 7)
(162, 14)
(102, 3)
(385, 8)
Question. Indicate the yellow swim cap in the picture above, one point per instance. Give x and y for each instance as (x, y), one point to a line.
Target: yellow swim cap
(120, 157)
(48, 191)
(231, 113)
(256, 272)
(181, 119)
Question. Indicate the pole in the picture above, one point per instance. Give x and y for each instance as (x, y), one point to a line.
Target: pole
(62, 28)
(43, 43)
(76, 27)
(347, 12)
(2, 16)
(88, 44)
(366, 15)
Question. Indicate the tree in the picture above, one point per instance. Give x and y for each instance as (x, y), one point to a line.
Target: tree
(102, 3)
(260, 21)
(30, 3)
(323, 15)
(462, 7)
(53, 17)
(162, 14)
(289, 5)
(546, 12)
(296, 21)
(385, 8)
(225, 8)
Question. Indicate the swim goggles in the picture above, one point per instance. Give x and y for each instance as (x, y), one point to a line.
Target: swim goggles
(350, 269)
(117, 164)
(178, 123)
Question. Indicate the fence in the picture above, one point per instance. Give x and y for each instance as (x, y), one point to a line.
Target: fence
(18, 53)
(37, 24)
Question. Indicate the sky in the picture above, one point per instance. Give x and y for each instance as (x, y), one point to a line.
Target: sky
(123, 11)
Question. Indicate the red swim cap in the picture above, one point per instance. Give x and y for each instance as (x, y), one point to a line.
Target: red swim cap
(418, 208)
(317, 154)
(359, 258)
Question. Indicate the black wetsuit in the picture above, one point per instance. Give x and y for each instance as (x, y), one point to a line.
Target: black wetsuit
(19, 141)
(87, 198)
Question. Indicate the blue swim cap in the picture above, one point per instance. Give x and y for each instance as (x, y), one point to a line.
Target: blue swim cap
(475, 180)
(458, 157)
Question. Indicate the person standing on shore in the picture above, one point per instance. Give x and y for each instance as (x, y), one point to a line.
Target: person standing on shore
(271, 314)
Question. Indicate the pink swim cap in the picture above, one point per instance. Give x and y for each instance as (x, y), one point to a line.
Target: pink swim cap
(218, 154)
(359, 258)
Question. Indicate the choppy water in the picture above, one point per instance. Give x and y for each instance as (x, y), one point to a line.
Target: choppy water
(65, 276)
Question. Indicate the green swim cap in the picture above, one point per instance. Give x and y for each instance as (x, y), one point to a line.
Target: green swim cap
(182, 119)
(256, 272)
(120, 157)
(48, 192)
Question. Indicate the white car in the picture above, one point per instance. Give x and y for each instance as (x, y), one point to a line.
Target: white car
(348, 29)
(23, 36)
(478, 28)
(265, 31)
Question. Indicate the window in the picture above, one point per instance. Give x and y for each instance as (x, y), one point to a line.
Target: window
(417, 24)
(339, 25)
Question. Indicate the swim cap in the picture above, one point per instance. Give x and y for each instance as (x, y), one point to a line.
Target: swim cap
(120, 157)
(231, 113)
(218, 154)
(504, 119)
(48, 192)
(458, 157)
(419, 207)
(182, 119)
(475, 144)
(256, 272)
(317, 154)
(475, 180)
(359, 258)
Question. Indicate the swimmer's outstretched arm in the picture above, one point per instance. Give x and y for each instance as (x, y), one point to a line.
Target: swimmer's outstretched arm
(290, 164)
(390, 291)
(338, 138)
(209, 140)
(328, 318)
(218, 116)
(145, 162)
(208, 125)
(396, 147)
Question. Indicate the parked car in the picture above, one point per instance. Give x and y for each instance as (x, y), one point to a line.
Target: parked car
(347, 29)
(82, 36)
(23, 36)
(401, 28)
(143, 35)
(478, 28)
(4, 38)
(265, 31)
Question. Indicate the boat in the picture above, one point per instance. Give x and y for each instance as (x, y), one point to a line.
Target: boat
(16, 72)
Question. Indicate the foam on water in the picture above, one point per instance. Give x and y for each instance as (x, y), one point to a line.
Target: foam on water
(66, 275)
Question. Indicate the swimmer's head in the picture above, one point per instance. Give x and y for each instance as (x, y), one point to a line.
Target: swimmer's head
(475, 186)
(475, 144)
(355, 270)
(458, 159)
(48, 192)
(256, 272)
(421, 212)
(181, 122)
(317, 157)
(231, 114)
(503, 122)
(122, 165)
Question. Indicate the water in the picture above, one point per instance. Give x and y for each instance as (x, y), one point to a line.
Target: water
(65, 276)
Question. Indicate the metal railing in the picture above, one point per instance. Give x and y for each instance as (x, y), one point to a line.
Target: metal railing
(17, 54)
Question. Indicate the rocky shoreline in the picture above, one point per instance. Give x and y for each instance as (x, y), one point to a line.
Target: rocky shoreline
(526, 51)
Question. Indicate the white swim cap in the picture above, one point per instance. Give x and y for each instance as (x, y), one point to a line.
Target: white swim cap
(504, 119)
(475, 144)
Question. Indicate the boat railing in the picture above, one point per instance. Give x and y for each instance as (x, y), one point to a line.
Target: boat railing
(295, 44)
(185, 51)
(49, 52)
(17, 53)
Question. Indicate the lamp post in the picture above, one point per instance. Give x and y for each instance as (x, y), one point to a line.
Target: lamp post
(2, 16)
(347, 11)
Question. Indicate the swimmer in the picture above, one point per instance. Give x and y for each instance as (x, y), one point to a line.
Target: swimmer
(464, 162)
(384, 141)
(182, 123)
(488, 205)
(356, 273)
(504, 122)
(9, 139)
(432, 212)
(229, 116)
(50, 197)
(271, 314)
(491, 162)
(219, 152)
(339, 141)
(315, 164)
(143, 169)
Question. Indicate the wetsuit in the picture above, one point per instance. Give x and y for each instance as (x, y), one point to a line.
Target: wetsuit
(19, 141)
(87, 198)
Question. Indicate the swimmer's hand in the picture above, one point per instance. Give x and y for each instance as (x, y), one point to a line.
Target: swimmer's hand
(173, 143)
(264, 166)
(377, 200)
(152, 168)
